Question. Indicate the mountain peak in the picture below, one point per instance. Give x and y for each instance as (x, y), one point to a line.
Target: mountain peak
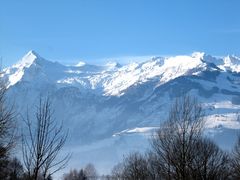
(199, 55)
(81, 63)
(113, 64)
(232, 60)
(29, 59)
(32, 52)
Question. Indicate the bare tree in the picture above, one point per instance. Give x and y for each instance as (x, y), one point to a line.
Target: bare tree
(209, 162)
(174, 141)
(153, 166)
(235, 162)
(180, 148)
(90, 171)
(75, 175)
(133, 167)
(15, 169)
(43, 143)
(117, 172)
(72, 175)
(7, 129)
(7, 123)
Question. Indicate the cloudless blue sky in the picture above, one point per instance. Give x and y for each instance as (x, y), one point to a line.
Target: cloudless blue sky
(90, 30)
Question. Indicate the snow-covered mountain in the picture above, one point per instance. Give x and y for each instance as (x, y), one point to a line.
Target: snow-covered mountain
(110, 107)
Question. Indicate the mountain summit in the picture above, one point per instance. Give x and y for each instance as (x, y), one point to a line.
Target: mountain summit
(30, 58)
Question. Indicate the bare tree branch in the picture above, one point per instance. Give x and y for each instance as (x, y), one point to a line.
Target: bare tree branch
(43, 143)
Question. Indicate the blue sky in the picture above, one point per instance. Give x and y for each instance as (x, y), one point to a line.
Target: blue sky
(92, 30)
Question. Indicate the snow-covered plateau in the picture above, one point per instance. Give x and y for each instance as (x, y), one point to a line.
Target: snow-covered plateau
(112, 109)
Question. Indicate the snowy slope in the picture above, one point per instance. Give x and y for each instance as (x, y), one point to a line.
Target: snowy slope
(114, 105)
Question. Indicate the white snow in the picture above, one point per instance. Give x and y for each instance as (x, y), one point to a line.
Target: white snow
(113, 79)
(16, 72)
(138, 130)
(81, 63)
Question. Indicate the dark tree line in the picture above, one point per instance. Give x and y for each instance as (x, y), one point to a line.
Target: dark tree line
(87, 173)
